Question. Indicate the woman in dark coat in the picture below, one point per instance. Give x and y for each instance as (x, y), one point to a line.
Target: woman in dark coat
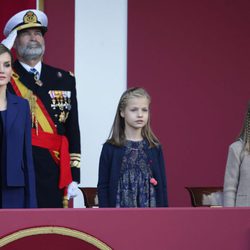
(17, 178)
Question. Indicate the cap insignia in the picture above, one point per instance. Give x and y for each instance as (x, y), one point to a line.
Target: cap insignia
(30, 17)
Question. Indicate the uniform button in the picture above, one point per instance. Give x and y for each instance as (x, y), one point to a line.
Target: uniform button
(55, 125)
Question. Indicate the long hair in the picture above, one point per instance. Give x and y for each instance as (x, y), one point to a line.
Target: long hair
(117, 134)
(245, 131)
(4, 49)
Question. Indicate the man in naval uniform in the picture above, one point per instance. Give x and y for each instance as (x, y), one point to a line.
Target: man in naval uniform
(51, 93)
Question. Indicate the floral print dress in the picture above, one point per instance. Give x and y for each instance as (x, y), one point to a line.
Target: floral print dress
(134, 187)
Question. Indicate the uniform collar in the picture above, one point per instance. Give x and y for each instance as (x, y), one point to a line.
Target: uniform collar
(27, 67)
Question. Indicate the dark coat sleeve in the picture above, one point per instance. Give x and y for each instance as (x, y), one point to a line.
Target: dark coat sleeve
(104, 176)
(30, 187)
(73, 131)
(162, 168)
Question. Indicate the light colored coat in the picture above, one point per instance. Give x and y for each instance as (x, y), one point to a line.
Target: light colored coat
(237, 177)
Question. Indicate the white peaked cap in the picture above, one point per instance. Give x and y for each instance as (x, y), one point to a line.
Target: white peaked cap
(25, 19)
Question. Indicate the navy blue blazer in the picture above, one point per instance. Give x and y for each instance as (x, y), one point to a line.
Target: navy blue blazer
(19, 169)
(109, 172)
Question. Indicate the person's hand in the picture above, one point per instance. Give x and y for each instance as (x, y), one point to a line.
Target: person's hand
(10, 39)
(72, 190)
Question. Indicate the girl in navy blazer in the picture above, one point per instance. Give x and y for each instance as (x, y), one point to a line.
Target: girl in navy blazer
(17, 179)
(131, 166)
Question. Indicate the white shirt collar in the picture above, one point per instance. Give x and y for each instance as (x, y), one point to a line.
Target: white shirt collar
(38, 67)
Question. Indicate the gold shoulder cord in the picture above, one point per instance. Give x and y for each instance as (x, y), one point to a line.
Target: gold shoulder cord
(28, 95)
(32, 102)
(38, 117)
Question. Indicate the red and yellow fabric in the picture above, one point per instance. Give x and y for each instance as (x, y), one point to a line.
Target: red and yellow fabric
(45, 134)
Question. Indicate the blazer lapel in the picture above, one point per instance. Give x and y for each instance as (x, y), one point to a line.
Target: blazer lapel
(12, 110)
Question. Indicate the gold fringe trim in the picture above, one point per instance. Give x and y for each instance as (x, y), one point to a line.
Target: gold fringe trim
(54, 230)
(37, 113)
(65, 202)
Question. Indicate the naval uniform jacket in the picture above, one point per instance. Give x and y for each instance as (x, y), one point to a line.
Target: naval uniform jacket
(18, 188)
(56, 82)
(109, 173)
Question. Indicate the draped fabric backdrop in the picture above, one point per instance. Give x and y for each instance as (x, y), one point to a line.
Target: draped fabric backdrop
(194, 59)
(10, 7)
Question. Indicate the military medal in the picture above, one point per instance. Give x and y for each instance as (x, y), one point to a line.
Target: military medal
(38, 81)
(68, 103)
(66, 95)
(57, 97)
(52, 96)
(61, 103)
(63, 116)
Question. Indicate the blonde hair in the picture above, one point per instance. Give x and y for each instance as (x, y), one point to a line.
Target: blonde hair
(117, 133)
